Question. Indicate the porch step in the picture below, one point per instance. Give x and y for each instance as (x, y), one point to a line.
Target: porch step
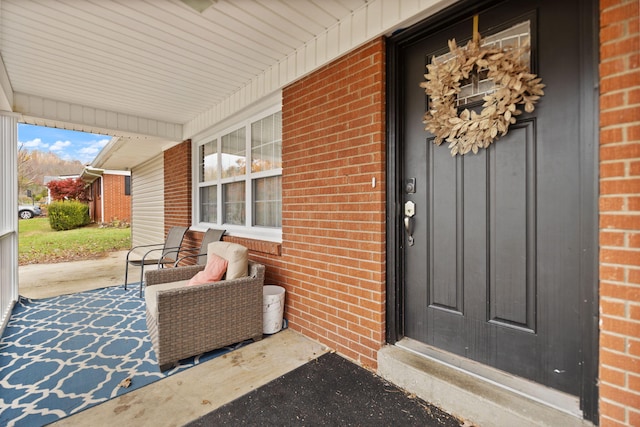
(465, 395)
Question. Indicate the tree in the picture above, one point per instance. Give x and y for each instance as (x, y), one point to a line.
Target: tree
(68, 189)
(26, 174)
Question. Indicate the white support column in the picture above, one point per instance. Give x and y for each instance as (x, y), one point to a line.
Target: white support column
(8, 215)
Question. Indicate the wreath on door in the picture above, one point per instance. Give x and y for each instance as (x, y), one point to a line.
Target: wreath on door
(514, 85)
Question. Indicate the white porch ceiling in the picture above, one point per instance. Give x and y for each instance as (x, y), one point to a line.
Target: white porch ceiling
(161, 69)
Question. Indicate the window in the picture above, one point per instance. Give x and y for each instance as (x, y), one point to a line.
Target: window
(127, 185)
(239, 177)
(474, 88)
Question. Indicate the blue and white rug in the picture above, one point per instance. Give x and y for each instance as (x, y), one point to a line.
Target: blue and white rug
(61, 355)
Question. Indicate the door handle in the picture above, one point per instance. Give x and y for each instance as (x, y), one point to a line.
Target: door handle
(408, 225)
(409, 212)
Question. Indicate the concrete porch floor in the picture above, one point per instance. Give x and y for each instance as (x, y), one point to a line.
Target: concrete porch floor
(183, 397)
(188, 395)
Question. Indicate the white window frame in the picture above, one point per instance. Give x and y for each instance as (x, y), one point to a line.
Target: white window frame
(248, 230)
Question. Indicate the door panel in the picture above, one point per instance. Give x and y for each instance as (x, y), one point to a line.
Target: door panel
(494, 271)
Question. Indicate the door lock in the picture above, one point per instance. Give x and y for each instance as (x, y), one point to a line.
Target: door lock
(410, 185)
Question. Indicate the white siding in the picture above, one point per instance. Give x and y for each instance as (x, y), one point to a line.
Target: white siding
(147, 209)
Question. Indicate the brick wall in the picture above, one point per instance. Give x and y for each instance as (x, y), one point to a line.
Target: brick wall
(177, 188)
(117, 205)
(619, 213)
(333, 225)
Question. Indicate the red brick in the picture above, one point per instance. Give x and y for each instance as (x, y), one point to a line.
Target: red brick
(611, 273)
(620, 256)
(611, 135)
(620, 395)
(620, 151)
(611, 204)
(634, 240)
(612, 32)
(613, 377)
(620, 116)
(612, 308)
(612, 342)
(624, 292)
(633, 383)
(612, 238)
(620, 222)
(607, 4)
(620, 186)
(620, 326)
(633, 203)
(606, 422)
(618, 13)
(634, 25)
(612, 100)
(608, 170)
(634, 97)
(611, 410)
(619, 47)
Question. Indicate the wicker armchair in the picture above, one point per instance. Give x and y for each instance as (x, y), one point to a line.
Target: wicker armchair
(190, 320)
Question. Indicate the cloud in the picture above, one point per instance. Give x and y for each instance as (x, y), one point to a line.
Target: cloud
(59, 145)
(33, 144)
(92, 148)
(89, 150)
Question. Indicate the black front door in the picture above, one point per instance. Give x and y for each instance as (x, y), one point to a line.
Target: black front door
(501, 267)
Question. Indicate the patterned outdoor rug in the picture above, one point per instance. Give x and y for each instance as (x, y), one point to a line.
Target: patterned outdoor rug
(61, 355)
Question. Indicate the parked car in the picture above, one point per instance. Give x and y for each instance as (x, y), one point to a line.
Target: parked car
(28, 211)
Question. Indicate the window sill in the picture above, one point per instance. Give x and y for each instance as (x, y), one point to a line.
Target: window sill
(254, 245)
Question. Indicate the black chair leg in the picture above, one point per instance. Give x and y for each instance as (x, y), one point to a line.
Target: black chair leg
(126, 275)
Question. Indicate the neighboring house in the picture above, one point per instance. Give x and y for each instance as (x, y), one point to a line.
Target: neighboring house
(109, 194)
(518, 264)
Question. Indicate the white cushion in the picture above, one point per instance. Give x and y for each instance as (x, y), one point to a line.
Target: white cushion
(237, 256)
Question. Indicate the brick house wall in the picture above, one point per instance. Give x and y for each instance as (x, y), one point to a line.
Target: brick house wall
(117, 205)
(619, 375)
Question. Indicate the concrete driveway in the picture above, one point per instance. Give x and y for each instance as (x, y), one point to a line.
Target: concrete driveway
(49, 280)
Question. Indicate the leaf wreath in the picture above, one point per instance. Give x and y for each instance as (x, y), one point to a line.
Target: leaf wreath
(468, 130)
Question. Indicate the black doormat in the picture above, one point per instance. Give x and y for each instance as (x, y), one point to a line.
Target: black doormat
(328, 391)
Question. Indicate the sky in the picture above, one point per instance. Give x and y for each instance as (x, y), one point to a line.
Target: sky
(66, 144)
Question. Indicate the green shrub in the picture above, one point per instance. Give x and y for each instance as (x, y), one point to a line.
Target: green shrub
(68, 215)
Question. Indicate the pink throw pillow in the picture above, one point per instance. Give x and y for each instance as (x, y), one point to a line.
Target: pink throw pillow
(215, 269)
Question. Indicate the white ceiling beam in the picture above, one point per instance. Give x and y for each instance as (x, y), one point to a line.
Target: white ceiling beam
(47, 112)
(6, 92)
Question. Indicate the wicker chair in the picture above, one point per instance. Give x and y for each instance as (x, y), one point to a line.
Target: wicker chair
(185, 321)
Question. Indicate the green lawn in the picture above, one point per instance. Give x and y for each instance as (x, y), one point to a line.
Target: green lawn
(39, 244)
